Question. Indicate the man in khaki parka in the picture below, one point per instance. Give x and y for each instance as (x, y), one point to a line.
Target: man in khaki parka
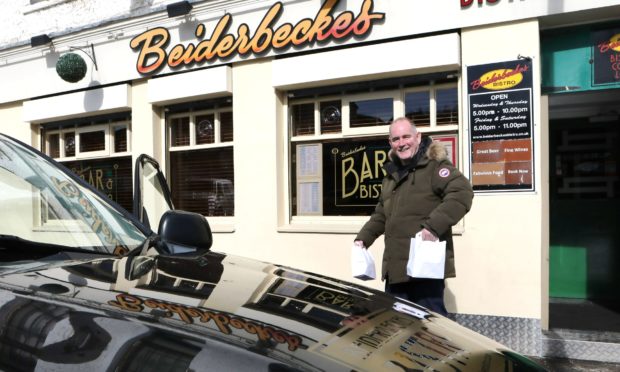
(422, 191)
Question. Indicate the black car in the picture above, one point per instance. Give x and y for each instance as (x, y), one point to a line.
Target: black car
(87, 286)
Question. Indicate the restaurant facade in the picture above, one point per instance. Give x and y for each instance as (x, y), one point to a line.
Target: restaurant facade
(270, 118)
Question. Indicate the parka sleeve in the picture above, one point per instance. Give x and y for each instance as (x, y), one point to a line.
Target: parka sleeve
(456, 195)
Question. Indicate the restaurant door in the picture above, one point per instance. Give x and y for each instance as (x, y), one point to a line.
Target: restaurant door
(584, 185)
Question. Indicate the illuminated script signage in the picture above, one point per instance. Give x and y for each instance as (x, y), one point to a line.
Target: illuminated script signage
(500, 126)
(606, 57)
(154, 51)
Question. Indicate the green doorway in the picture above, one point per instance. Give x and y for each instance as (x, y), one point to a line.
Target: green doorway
(584, 190)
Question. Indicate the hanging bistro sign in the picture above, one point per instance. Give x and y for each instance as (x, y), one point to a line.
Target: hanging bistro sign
(606, 57)
(500, 126)
(154, 51)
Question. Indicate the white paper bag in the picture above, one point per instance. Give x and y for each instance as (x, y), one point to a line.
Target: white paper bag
(362, 263)
(426, 258)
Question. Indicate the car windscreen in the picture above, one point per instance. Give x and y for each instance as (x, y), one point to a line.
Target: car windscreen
(43, 204)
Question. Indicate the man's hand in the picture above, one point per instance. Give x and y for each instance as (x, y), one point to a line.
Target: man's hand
(427, 235)
(359, 243)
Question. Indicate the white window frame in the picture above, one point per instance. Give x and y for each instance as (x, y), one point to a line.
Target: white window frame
(219, 224)
(352, 224)
(48, 142)
(120, 124)
(217, 141)
(38, 5)
(347, 131)
(432, 89)
(92, 154)
(109, 134)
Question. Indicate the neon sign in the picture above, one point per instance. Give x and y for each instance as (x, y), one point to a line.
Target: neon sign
(154, 52)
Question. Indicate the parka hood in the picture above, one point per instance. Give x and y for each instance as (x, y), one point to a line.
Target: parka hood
(429, 149)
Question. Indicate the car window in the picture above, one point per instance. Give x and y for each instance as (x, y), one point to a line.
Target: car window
(42, 203)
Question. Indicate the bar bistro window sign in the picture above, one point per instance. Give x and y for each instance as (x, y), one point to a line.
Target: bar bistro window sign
(606, 57)
(353, 172)
(500, 126)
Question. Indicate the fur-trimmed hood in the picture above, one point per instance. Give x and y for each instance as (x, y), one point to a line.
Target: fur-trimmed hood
(437, 151)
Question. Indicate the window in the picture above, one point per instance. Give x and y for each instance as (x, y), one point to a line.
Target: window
(87, 139)
(200, 149)
(97, 150)
(338, 138)
(38, 5)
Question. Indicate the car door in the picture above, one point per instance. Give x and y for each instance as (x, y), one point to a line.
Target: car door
(152, 197)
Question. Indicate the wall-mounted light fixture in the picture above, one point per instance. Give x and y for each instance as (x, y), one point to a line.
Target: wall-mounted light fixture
(178, 9)
(40, 40)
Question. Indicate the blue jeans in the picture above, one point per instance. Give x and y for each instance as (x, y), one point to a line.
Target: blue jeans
(424, 292)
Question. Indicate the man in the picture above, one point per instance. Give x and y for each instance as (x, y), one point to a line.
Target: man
(422, 191)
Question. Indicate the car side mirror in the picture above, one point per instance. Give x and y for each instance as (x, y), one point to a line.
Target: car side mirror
(184, 232)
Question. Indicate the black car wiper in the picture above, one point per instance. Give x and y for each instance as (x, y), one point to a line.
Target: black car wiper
(14, 248)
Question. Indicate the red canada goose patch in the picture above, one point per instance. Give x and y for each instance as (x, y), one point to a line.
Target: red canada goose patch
(444, 172)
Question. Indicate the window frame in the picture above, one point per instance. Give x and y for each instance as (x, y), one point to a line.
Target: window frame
(348, 131)
(220, 224)
(217, 125)
(290, 221)
(78, 129)
(38, 5)
(92, 154)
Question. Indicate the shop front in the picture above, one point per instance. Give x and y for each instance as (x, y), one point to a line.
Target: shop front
(271, 119)
(582, 81)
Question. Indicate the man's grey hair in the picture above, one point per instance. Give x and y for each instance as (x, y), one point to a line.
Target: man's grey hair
(403, 118)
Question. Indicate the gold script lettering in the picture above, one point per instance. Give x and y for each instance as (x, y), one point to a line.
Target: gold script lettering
(151, 45)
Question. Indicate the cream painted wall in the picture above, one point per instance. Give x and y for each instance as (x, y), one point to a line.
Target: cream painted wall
(13, 125)
(258, 158)
(147, 137)
(146, 124)
(499, 259)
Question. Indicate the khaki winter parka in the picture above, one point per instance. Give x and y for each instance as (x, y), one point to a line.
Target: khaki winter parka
(430, 193)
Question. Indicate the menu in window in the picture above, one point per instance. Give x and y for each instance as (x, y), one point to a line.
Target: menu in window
(500, 126)
(606, 57)
(308, 179)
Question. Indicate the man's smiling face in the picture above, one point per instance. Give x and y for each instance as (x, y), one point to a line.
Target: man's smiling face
(404, 140)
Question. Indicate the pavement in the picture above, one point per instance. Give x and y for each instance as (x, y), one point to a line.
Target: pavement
(573, 365)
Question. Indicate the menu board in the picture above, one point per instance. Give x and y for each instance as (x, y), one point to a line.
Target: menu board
(606, 57)
(500, 126)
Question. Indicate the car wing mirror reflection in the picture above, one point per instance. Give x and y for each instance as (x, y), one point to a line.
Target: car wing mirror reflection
(138, 266)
